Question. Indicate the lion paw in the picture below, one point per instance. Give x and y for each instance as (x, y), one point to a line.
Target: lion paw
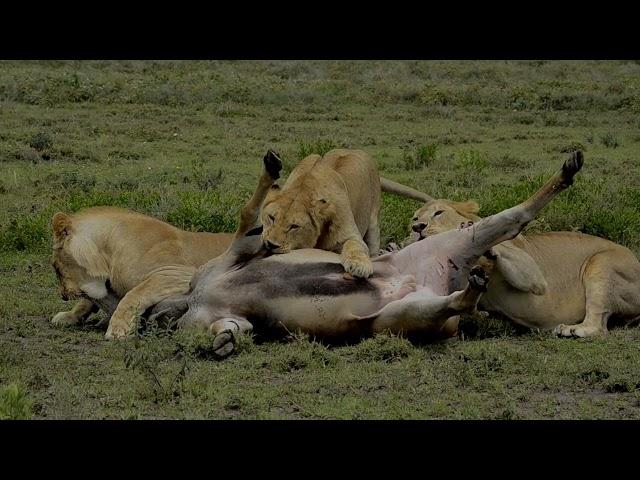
(118, 330)
(63, 319)
(358, 267)
(578, 331)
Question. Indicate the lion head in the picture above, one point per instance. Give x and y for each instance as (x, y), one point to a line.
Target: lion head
(293, 219)
(81, 269)
(439, 216)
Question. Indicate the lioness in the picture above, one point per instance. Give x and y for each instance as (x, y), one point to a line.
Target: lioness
(567, 281)
(124, 262)
(415, 291)
(331, 203)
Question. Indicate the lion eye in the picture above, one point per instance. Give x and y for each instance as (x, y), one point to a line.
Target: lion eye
(438, 213)
(272, 218)
(414, 219)
(294, 227)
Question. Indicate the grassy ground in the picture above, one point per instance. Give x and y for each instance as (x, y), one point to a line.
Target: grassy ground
(183, 141)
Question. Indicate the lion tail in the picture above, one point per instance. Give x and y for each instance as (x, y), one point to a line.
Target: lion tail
(393, 187)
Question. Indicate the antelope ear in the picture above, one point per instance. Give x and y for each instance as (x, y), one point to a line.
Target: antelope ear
(61, 226)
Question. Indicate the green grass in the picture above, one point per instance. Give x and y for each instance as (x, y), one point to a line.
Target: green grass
(14, 403)
(415, 157)
(183, 141)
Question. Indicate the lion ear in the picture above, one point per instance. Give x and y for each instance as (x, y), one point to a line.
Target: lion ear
(272, 194)
(473, 206)
(275, 186)
(467, 208)
(320, 205)
(322, 208)
(61, 225)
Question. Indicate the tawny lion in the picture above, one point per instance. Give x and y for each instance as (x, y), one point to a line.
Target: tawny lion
(566, 281)
(124, 262)
(330, 202)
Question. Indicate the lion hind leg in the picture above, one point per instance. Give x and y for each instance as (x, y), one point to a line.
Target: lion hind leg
(611, 288)
(372, 235)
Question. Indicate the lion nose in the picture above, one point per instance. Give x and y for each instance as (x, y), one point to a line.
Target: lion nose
(418, 227)
(270, 245)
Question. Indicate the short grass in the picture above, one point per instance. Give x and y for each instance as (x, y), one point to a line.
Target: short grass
(183, 141)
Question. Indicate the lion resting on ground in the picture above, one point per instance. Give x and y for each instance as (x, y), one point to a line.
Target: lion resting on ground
(567, 281)
(330, 203)
(124, 262)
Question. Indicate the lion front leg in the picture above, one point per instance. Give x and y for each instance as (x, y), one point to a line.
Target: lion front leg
(372, 237)
(79, 313)
(148, 293)
(355, 258)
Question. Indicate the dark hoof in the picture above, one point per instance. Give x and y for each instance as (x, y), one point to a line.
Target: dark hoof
(168, 309)
(478, 279)
(392, 247)
(572, 166)
(224, 344)
(157, 316)
(273, 164)
(490, 254)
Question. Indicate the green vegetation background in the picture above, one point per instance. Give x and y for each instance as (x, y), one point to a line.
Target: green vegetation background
(183, 141)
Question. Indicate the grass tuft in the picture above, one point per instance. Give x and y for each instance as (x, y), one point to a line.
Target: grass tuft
(15, 403)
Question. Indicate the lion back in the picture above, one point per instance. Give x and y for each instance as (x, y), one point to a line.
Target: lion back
(359, 174)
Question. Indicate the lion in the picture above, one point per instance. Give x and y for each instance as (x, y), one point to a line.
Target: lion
(330, 202)
(570, 282)
(124, 262)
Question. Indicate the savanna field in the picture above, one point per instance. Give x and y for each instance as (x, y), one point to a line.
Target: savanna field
(183, 141)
